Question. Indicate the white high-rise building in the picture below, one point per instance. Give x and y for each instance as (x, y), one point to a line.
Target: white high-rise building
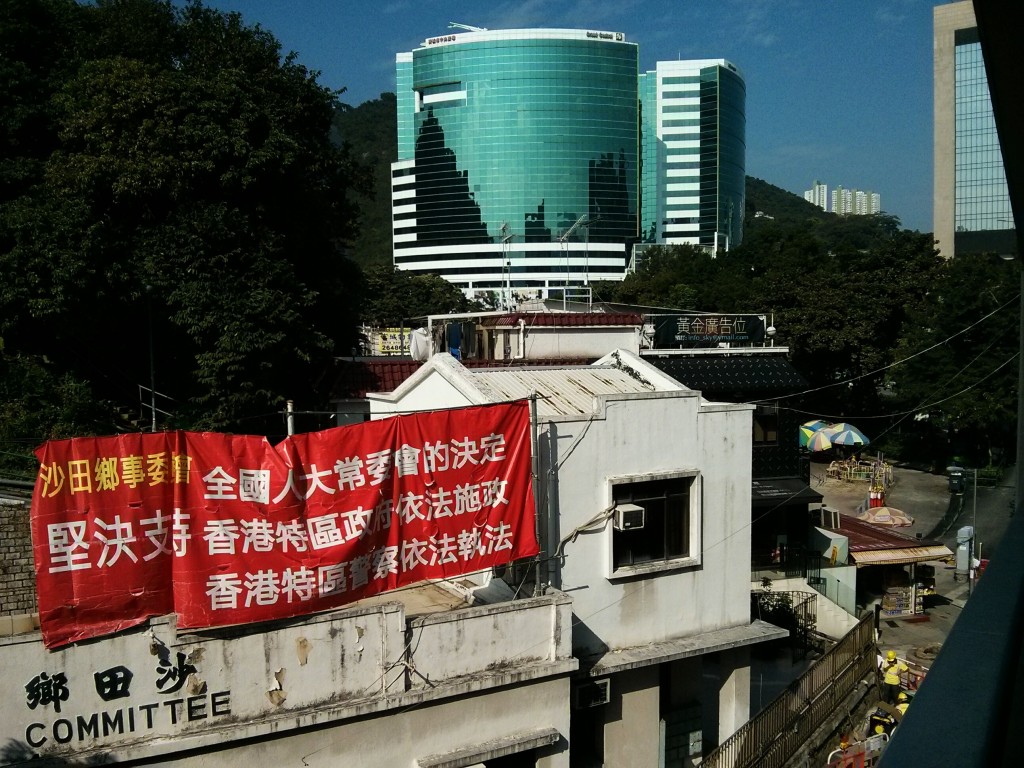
(817, 195)
(693, 153)
(854, 202)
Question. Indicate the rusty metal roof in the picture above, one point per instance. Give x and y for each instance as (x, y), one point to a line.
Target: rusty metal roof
(872, 545)
(901, 556)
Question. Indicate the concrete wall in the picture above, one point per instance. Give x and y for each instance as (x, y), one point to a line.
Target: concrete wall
(635, 435)
(447, 645)
(294, 687)
(546, 342)
(632, 720)
(400, 739)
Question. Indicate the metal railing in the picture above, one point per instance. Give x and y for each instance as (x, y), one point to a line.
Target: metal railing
(795, 611)
(773, 736)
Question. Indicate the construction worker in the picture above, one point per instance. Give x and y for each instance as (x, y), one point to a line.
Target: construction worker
(891, 670)
(903, 701)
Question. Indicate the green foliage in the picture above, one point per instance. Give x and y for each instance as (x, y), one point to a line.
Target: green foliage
(38, 403)
(394, 297)
(369, 131)
(965, 379)
(169, 184)
(767, 205)
(684, 277)
(774, 607)
(841, 307)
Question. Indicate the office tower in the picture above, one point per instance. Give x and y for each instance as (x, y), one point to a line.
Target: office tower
(693, 153)
(517, 159)
(972, 204)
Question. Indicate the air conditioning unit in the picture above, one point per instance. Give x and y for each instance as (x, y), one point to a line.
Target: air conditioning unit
(629, 517)
(593, 693)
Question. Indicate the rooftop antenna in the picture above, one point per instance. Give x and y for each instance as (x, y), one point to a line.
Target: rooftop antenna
(467, 27)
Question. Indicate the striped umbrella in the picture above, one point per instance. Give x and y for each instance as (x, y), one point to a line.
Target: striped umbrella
(845, 434)
(808, 428)
(819, 441)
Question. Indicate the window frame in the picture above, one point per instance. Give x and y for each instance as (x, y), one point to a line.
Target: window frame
(765, 414)
(692, 559)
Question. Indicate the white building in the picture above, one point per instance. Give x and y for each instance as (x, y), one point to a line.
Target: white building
(844, 201)
(414, 678)
(693, 153)
(818, 195)
(646, 492)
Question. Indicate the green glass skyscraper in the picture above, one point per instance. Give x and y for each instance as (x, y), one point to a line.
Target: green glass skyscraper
(517, 165)
(534, 160)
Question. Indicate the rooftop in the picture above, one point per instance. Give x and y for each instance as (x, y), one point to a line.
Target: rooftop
(732, 374)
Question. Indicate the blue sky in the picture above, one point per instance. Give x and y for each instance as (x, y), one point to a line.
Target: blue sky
(837, 90)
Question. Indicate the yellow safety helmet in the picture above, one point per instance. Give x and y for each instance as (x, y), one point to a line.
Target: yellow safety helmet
(902, 697)
(891, 655)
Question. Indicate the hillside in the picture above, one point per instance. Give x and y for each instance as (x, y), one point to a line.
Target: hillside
(781, 206)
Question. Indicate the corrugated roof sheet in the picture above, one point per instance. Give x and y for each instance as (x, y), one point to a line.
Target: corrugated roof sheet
(865, 536)
(718, 374)
(872, 545)
(901, 556)
(563, 319)
(354, 378)
(567, 391)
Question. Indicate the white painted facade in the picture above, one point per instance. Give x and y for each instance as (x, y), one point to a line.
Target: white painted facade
(618, 422)
(537, 342)
(365, 686)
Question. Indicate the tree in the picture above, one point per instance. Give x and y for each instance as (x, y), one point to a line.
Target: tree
(186, 200)
(960, 374)
(369, 131)
(395, 297)
(841, 292)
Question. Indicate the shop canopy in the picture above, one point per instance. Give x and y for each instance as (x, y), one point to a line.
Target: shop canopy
(873, 545)
(900, 556)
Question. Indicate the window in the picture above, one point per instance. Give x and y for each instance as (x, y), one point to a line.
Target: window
(766, 425)
(668, 536)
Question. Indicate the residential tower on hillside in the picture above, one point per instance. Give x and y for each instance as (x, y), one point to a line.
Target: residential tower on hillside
(847, 202)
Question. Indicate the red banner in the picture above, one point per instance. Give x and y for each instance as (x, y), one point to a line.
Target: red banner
(227, 529)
